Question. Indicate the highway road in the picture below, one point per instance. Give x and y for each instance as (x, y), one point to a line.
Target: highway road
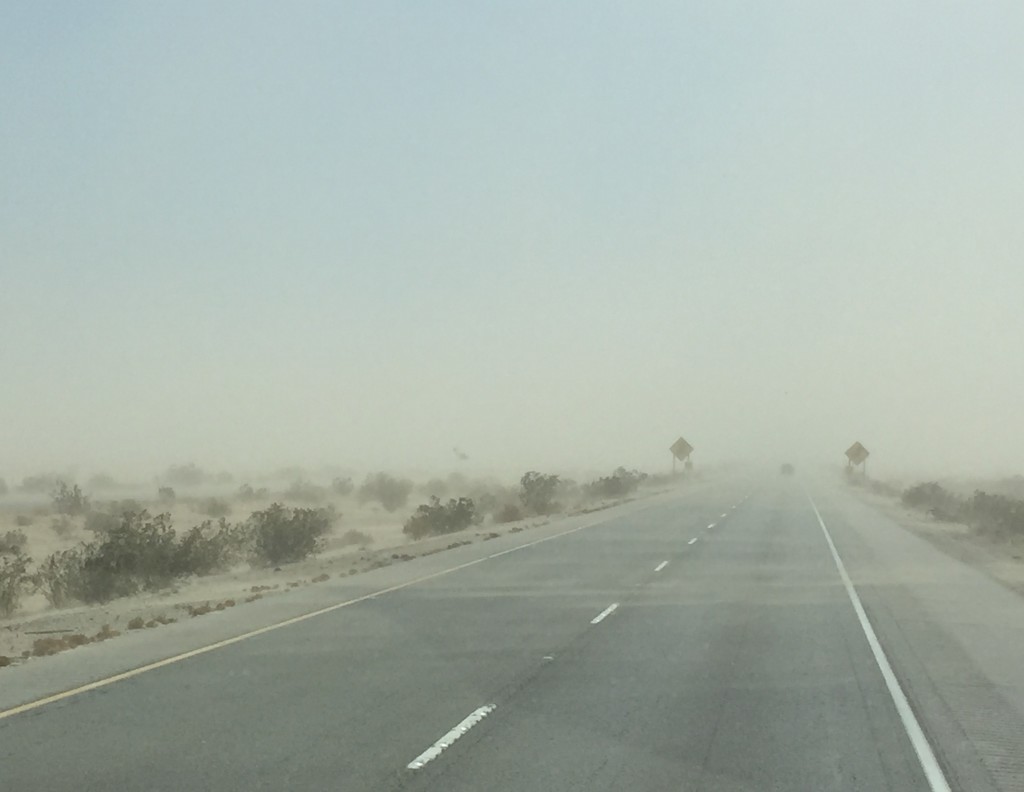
(751, 635)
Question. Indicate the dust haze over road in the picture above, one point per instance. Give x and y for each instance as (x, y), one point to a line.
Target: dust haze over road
(251, 238)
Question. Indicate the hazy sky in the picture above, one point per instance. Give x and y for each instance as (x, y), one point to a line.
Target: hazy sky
(552, 234)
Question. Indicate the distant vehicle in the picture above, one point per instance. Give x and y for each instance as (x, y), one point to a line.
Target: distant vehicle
(787, 470)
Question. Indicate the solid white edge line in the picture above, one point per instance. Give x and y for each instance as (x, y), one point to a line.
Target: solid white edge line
(606, 612)
(464, 726)
(929, 764)
(692, 541)
(661, 566)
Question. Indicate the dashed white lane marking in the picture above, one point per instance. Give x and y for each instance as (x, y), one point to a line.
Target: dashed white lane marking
(723, 514)
(606, 612)
(929, 764)
(435, 750)
(692, 541)
(710, 526)
(661, 566)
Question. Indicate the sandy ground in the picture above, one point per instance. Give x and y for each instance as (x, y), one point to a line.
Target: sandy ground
(38, 629)
(1000, 559)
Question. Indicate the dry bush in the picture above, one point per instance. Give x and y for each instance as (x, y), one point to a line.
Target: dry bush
(321, 578)
(69, 500)
(282, 535)
(14, 580)
(23, 520)
(392, 493)
(510, 512)
(212, 507)
(537, 492)
(137, 623)
(354, 537)
(618, 485)
(342, 486)
(436, 518)
(303, 491)
(13, 542)
(246, 493)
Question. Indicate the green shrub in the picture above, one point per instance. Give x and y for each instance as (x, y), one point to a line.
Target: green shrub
(208, 548)
(435, 518)
(185, 476)
(510, 512)
(303, 491)
(213, 507)
(935, 499)
(62, 526)
(246, 493)
(39, 483)
(13, 542)
(100, 482)
(166, 495)
(343, 487)
(69, 500)
(281, 535)
(138, 554)
(618, 485)
(537, 492)
(13, 581)
(354, 537)
(392, 493)
(996, 514)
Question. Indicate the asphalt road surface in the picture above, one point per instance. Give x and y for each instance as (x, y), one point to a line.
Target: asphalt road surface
(733, 636)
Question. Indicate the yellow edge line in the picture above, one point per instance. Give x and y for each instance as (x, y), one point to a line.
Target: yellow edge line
(99, 683)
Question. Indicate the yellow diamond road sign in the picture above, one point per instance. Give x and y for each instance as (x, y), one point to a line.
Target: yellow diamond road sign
(857, 454)
(681, 449)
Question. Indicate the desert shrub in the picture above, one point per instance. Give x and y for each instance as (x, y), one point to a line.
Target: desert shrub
(69, 500)
(305, 491)
(435, 488)
(618, 485)
(282, 535)
(13, 580)
(392, 493)
(209, 547)
(138, 554)
(23, 520)
(185, 476)
(510, 512)
(436, 518)
(100, 482)
(996, 514)
(62, 526)
(39, 483)
(13, 542)
(342, 486)
(935, 499)
(537, 492)
(212, 507)
(246, 493)
(884, 488)
(101, 521)
(354, 537)
(166, 495)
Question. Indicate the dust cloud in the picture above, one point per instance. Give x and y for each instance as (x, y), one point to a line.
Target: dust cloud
(330, 244)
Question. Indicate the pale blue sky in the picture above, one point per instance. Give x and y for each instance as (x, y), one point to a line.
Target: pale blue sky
(555, 235)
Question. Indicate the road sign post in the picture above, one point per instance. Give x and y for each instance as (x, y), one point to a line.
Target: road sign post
(681, 450)
(857, 455)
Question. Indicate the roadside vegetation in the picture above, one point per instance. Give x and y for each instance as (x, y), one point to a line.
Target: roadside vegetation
(68, 548)
(993, 514)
